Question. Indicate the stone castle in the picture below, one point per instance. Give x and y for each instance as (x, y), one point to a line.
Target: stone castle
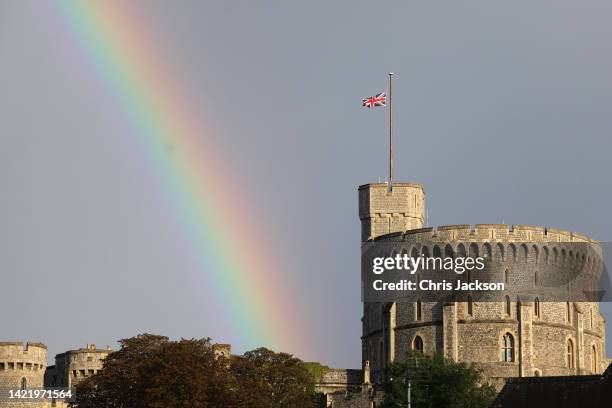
(24, 365)
(518, 337)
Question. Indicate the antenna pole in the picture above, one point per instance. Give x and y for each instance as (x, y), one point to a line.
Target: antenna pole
(390, 132)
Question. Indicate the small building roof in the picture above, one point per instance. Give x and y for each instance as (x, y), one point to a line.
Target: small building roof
(585, 391)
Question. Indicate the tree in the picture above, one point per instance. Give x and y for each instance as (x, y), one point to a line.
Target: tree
(151, 371)
(436, 382)
(284, 379)
(316, 370)
(154, 372)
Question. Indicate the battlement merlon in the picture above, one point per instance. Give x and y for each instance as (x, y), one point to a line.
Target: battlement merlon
(491, 233)
(23, 345)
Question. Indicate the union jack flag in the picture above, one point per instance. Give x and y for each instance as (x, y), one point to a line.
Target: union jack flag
(378, 100)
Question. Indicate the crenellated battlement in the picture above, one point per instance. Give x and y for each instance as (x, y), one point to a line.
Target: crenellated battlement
(35, 353)
(22, 364)
(529, 246)
(500, 232)
(73, 366)
(24, 346)
(489, 233)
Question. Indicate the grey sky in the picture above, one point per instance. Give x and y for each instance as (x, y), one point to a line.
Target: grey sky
(502, 112)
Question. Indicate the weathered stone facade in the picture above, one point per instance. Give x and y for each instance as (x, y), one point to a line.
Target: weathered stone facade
(541, 338)
(340, 380)
(382, 211)
(74, 366)
(22, 365)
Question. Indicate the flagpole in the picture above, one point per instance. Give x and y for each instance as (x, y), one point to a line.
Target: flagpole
(390, 133)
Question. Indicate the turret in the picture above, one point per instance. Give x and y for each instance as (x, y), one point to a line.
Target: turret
(383, 210)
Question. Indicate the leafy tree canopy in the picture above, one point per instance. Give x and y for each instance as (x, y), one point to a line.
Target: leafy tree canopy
(283, 379)
(436, 382)
(316, 370)
(152, 371)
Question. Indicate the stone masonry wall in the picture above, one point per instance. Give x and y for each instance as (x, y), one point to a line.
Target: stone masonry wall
(74, 366)
(522, 253)
(19, 361)
(382, 211)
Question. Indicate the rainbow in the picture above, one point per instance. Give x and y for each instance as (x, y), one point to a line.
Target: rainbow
(238, 265)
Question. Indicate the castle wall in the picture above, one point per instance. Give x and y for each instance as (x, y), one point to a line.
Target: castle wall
(22, 364)
(541, 257)
(383, 211)
(74, 366)
(20, 361)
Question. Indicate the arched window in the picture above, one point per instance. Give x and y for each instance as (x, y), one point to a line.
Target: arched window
(591, 314)
(470, 306)
(506, 277)
(418, 310)
(24, 383)
(570, 354)
(508, 306)
(569, 312)
(536, 373)
(536, 307)
(417, 344)
(593, 359)
(535, 277)
(507, 351)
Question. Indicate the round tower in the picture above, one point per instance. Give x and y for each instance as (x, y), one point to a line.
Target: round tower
(74, 366)
(518, 336)
(22, 365)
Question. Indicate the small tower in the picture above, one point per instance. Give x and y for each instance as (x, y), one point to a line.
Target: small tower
(74, 366)
(383, 210)
(22, 365)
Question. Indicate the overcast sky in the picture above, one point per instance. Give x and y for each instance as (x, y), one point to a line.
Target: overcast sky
(503, 112)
